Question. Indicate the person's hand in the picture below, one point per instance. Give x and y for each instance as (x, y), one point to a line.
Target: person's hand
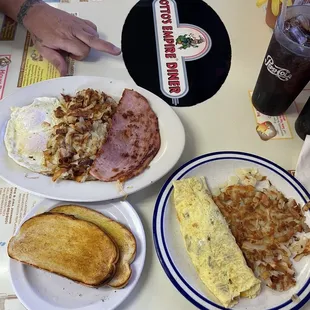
(54, 32)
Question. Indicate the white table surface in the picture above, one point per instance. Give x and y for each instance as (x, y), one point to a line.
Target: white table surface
(225, 122)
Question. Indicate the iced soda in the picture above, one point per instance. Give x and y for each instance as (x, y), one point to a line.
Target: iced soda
(286, 68)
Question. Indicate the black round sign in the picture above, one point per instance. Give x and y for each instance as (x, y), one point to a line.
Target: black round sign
(177, 49)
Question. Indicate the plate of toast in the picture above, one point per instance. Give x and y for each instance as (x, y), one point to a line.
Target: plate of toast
(88, 256)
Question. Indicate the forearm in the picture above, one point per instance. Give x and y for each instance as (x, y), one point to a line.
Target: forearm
(18, 9)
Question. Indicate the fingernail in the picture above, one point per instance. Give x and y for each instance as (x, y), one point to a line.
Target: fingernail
(116, 50)
(62, 71)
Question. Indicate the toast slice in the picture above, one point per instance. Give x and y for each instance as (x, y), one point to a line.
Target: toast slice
(69, 247)
(124, 239)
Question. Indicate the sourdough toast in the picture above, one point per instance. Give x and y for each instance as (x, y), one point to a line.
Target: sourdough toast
(69, 247)
(124, 239)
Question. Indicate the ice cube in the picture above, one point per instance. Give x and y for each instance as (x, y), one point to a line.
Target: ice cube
(298, 35)
(287, 26)
(307, 44)
(294, 21)
(304, 22)
(307, 36)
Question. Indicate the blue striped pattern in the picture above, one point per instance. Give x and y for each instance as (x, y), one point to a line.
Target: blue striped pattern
(224, 156)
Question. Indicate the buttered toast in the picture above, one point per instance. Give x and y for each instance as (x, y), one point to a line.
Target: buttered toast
(66, 246)
(123, 238)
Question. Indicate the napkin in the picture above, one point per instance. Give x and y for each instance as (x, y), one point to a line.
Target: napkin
(303, 165)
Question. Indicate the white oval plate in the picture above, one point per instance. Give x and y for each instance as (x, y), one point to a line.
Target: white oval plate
(38, 289)
(217, 167)
(171, 131)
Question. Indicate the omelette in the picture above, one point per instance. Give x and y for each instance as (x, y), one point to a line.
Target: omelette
(210, 244)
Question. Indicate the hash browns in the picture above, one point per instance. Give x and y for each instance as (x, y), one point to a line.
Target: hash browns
(75, 141)
(266, 225)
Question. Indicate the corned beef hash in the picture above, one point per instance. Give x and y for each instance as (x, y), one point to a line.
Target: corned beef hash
(85, 137)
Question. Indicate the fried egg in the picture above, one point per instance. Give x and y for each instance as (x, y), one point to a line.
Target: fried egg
(28, 132)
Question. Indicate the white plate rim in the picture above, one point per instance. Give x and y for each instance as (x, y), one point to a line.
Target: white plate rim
(172, 153)
(37, 209)
(158, 233)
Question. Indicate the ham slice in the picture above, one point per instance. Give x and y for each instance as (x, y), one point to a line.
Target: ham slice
(132, 143)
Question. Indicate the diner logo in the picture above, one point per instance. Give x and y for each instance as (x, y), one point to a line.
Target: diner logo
(176, 44)
(281, 73)
(179, 50)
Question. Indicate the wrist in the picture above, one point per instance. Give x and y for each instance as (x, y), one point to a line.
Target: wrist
(29, 10)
